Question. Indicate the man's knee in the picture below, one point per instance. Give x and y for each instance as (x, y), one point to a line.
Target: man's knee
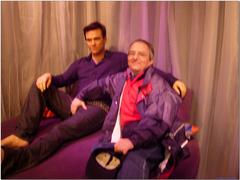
(60, 128)
(66, 130)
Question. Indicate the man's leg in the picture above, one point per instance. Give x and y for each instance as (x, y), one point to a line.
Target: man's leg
(31, 114)
(138, 164)
(81, 124)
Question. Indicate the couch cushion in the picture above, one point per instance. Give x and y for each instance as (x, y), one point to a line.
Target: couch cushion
(184, 112)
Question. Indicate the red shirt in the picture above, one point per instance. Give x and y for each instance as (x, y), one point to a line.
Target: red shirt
(128, 109)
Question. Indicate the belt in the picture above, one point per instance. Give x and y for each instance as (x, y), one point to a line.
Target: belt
(99, 104)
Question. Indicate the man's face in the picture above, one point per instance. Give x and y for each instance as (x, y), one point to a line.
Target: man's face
(139, 57)
(95, 41)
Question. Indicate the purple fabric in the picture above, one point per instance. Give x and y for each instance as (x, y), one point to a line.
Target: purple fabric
(85, 70)
(158, 108)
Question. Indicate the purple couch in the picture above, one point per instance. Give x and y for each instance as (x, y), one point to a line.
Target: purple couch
(70, 161)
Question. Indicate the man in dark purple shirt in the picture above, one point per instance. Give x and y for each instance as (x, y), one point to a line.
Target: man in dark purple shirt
(76, 122)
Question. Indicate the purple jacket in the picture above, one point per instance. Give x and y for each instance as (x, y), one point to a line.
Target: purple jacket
(157, 103)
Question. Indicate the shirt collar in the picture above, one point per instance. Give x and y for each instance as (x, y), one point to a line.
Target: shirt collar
(146, 75)
(132, 77)
(106, 55)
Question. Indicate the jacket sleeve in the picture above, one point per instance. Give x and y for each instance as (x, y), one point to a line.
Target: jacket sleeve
(157, 119)
(168, 77)
(103, 85)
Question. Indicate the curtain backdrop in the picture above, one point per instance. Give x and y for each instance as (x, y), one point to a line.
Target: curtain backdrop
(197, 41)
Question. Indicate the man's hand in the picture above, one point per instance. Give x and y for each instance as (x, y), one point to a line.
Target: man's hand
(44, 81)
(123, 146)
(77, 103)
(180, 88)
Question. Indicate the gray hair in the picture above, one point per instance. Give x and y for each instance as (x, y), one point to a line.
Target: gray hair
(149, 45)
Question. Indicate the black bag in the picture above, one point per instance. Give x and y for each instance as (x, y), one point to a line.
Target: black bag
(176, 140)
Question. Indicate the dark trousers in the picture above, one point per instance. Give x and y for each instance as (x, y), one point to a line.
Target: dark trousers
(71, 127)
(140, 163)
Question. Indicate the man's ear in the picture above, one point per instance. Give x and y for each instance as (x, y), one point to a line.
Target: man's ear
(151, 63)
(105, 39)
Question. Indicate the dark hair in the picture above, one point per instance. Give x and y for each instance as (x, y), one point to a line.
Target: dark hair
(149, 45)
(93, 26)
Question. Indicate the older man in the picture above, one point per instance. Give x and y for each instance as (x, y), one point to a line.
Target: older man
(143, 109)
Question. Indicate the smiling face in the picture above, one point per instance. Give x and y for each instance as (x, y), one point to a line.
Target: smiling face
(95, 42)
(139, 58)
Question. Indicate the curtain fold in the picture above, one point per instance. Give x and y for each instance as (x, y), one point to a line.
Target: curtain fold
(196, 41)
(208, 57)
